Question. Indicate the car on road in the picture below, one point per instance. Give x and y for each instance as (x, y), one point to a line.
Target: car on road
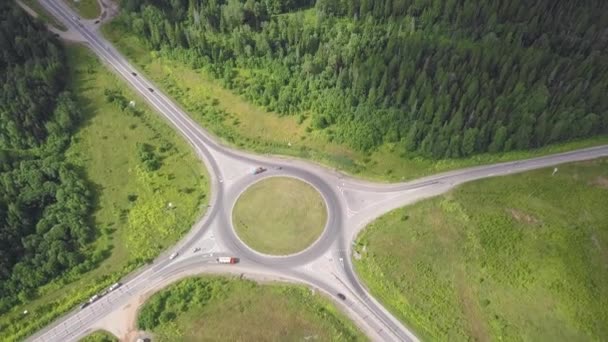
(196, 249)
(151, 90)
(134, 73)
(114, 287)
(94, 298)
(341, 296)
(96, 21)
(173, 256)
(84, 305)
(258, 170)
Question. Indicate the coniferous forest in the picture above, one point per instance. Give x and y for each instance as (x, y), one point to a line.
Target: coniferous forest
(44, 203)
(437, 78)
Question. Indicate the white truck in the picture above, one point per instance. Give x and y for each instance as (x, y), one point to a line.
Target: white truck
(227, 260)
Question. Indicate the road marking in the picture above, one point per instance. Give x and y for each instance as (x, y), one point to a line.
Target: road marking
(350, 213)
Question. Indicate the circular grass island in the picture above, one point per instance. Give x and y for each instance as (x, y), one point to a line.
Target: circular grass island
(279, 216)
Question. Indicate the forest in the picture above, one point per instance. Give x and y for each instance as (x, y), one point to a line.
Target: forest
(44, 202)
(439, 79)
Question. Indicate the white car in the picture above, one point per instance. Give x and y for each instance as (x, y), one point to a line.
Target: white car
(93, 299)
(173, 256)
(114, 286)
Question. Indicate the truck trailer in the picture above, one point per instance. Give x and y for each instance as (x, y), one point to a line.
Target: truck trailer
(227, 260)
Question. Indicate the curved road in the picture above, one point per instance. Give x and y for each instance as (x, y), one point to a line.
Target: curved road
(325, 265)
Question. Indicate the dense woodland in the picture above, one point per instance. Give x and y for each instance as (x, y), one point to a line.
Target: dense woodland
(437, 78)
(44, 203)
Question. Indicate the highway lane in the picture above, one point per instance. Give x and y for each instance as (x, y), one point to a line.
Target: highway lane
(227, 184)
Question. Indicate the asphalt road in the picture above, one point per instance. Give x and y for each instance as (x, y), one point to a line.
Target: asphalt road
(326, 265)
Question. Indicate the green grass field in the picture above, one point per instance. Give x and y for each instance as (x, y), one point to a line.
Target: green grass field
(229, 309)
(44, 15)
(523, 257)
(279, 215)
(131, 204)
(99, 336)
(88, 9)
(242, 124)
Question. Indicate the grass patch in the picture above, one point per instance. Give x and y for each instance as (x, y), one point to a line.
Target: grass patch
(131, 211)
(227, 309)
(99, 336)
(44, 15)
(279, 215)
(522, 257)
(246, 126)
(88, 9)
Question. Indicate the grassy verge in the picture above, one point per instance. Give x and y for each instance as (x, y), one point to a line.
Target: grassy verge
(239, 123)
(280, 215)
(99, 336)
(44, 15)
(131, 203)
(88, 9)
(522, 257)
(225, 309)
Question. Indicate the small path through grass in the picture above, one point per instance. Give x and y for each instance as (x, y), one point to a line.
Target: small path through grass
(279, 215)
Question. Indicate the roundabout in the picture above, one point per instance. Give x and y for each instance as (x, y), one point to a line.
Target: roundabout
(284, 218)
(279, 216)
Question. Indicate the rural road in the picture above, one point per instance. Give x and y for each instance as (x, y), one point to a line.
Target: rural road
(326, 265)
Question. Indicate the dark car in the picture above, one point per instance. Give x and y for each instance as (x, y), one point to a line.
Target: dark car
(259, 170)
(134, 73)
(151, 90)
(341, 296)
(96, 21)
(84, 305)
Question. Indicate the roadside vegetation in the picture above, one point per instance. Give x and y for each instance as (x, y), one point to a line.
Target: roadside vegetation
(88, 9)
(279, 215)
(523, 257)
(229, 309)
(44, 15)
(80, 206)
(385, 94)
(99, 336)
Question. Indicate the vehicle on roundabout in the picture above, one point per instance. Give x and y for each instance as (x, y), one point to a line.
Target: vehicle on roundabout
(341, 296)
(227, 260)
(258, 170)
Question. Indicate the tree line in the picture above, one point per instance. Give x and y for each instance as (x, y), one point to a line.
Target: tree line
(44, 202)
(436, 78)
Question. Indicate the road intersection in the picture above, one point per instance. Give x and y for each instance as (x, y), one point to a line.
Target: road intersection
(325, 265)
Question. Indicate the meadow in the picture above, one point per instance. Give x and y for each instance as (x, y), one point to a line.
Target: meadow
(522, 257)
(230, 309)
